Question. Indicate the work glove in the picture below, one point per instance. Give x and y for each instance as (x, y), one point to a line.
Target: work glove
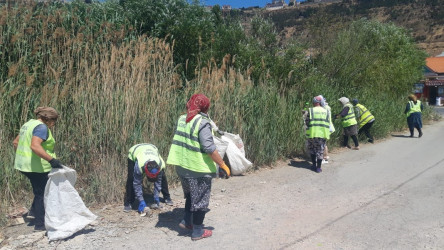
(226, 170)
(55, 163)
(142, 206)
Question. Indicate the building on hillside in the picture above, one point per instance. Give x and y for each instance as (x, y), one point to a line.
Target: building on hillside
(275, 5)
(226, 7)
(431, 89)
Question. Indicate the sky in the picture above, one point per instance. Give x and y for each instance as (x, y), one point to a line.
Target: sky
(239, 3)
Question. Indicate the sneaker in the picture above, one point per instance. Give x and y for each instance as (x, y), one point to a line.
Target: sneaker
(30, 215)
(348, 146)
(370, 140)
(324, 161)
(127, 209)
(169, 202)
(183, 225)
(39, 228)
(356, 148)
(155, 206)
(420, 134)
(318, 170)
(206, 233)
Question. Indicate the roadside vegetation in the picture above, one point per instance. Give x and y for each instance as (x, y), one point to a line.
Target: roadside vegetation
(120, 73)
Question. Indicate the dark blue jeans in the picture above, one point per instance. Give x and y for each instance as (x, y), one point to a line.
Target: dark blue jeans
(38, 183)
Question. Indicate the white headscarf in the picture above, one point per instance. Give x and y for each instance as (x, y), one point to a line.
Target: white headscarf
(344, 100)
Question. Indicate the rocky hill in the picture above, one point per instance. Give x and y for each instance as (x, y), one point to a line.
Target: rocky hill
(423, 18)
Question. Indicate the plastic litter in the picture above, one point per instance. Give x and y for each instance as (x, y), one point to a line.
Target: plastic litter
(65, 212)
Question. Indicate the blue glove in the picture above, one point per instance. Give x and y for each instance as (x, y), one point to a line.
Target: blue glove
(142, 206)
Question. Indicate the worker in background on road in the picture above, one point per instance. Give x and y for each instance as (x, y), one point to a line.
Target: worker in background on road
(365, 119)
(414, 118)
(349, 123)
(35, 157)
(194, 154)
(325, 105)
(318, 132)
(144, 159)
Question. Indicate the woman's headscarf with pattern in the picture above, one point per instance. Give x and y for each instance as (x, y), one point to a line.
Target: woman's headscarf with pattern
(197, 103)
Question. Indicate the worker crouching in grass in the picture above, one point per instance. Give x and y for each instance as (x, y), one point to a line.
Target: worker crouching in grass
(365, 119)
(144, 159)
(318, 132)
(35, 157)
(194, 154)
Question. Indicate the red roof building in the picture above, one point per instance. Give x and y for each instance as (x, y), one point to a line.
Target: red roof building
(432, 88)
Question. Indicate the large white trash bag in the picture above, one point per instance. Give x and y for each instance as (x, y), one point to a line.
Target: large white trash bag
(65, 212)
(236, 154)
(221, 146)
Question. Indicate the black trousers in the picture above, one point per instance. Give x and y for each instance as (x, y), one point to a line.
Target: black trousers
(130, 195)
(366, 130)
(196, 217)
(38, 183)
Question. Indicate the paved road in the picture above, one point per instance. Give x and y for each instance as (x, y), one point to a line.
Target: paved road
(388, 195)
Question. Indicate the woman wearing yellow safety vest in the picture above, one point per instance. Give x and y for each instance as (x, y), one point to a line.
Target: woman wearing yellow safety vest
(144, 160)
(318, 132)
(348, 122)
(194, 154)
(35, 157)
(365, 119)
(413, 111)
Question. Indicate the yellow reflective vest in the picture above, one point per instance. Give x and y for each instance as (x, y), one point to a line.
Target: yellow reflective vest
(414, 108)
(25, 159)
(364, 115)
(145, 152)
(319, 123)
(186, 151)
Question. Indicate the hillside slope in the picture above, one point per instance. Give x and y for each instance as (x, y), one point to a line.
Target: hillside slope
(423, 18)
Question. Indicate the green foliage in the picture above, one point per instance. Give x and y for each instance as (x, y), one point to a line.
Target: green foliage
(378, 64)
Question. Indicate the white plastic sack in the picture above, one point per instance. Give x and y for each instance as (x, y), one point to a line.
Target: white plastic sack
(221, 146)
(236, 154)
(235, 138)
(65, 212)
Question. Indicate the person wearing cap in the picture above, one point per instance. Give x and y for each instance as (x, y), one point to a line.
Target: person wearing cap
(365, 119)
(35, 157)
(144, 160)
(349, 123)
(413, 111)
(318, 132)
(194, 154)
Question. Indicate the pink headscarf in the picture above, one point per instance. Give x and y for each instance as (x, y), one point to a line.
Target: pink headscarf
(197, 103)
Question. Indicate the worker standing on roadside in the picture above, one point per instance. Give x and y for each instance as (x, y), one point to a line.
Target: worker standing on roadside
(365, 119)
(318, 124)
(414, 118)
(144, 159)
(194, 154)
(35, 157)
(348, 122)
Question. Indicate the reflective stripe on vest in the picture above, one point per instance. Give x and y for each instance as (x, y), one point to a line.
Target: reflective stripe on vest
(185, 150)
(349, 119)
(319, 125)
(25, 159)
(414, 108)
(364, 115)
(145, 152)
